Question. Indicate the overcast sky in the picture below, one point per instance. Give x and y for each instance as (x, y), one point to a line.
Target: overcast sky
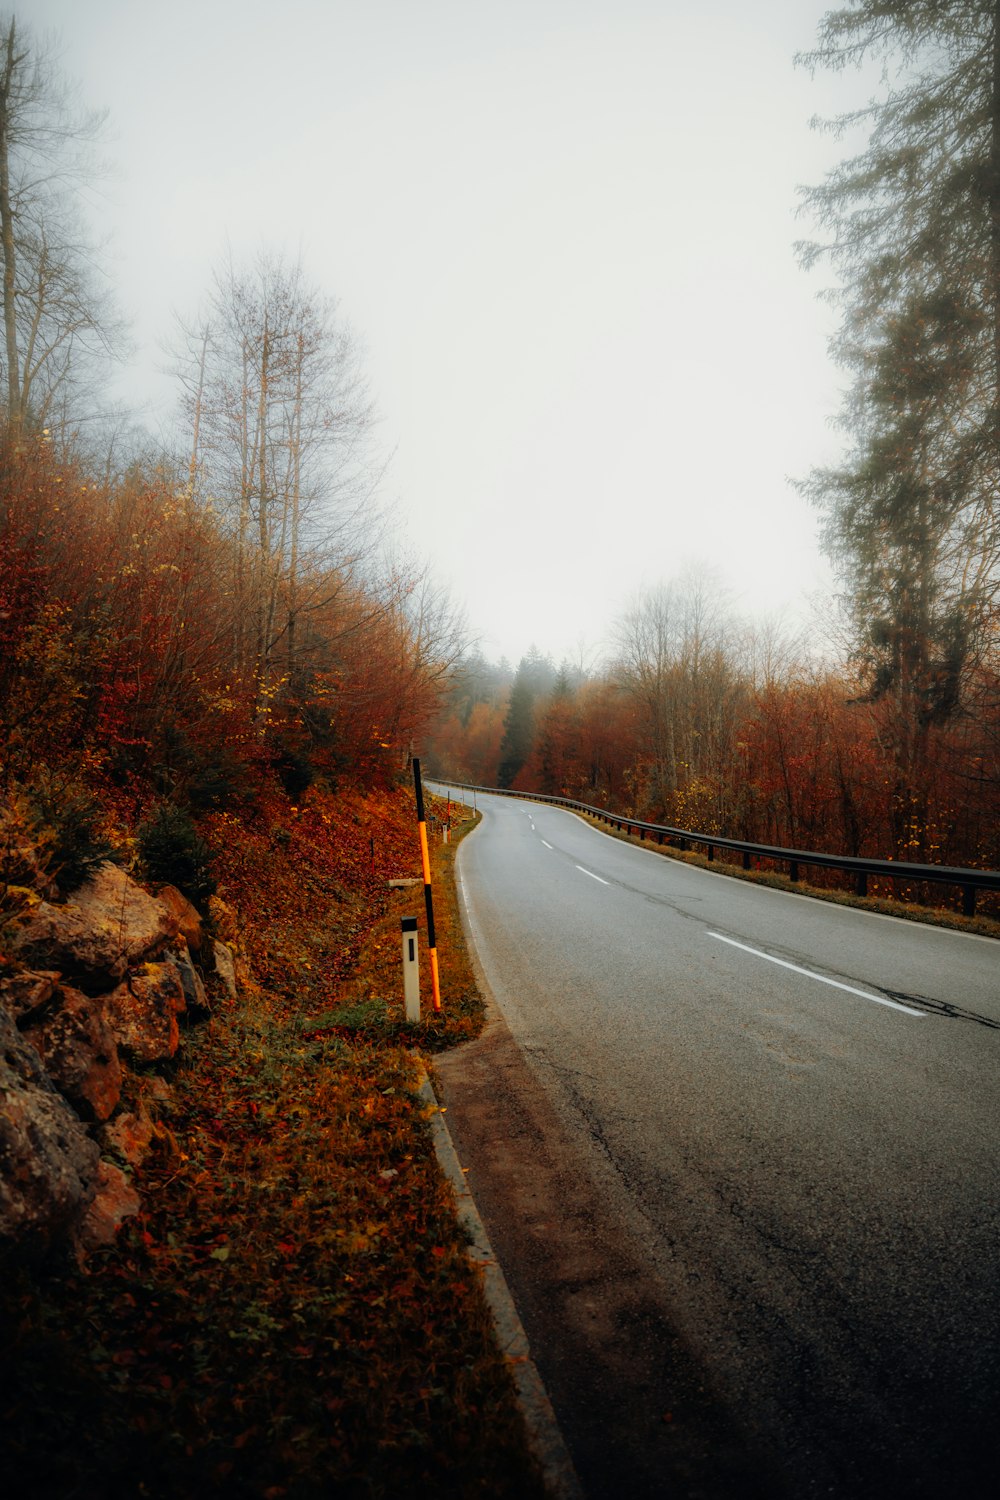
(563, 231)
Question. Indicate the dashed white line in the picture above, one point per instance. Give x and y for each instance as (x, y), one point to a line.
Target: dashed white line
(811, 974)
(548, 846)
(592, 875)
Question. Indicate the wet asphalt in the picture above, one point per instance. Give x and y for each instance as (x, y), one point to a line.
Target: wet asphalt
(737, 1151)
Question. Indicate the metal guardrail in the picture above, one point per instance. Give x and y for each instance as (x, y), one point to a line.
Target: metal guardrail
(970, 881)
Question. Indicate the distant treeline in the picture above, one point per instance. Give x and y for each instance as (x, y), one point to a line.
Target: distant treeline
(700, 722)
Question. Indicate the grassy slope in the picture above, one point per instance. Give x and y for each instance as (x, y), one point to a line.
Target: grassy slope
(293, 1313)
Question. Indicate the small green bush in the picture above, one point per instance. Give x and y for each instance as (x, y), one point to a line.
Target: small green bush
(174, 852)
(77, 845)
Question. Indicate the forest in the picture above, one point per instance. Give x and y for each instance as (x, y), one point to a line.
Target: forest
(181, 614)
(184, 613)
(713, 724)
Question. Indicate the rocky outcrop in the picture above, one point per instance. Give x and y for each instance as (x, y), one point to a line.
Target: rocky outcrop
(23, 995)
(232, 963)
(128, 1137)
(110, 924)
(195, 996)
(48, 1163)
(187, 918)
(143, 1012)
(225, 969)
(86, 984)
(77, 1046)
(114, 1201)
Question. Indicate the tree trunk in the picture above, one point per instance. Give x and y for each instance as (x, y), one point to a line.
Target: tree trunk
(193, 466)
(994, 202)
(14, 412)
(263, 534)
(293, 559)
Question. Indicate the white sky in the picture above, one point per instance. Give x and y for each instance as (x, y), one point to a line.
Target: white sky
(563, 230)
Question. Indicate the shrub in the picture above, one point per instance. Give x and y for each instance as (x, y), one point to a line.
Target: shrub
(203, 778)
(76, 843)
(174, 853)
(294, 771)
(218, 782)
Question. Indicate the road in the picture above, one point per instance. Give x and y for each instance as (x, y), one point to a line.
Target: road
(738, 1152)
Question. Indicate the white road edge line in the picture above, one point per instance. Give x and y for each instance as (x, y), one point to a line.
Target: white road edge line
(811, 974)
(592, 875)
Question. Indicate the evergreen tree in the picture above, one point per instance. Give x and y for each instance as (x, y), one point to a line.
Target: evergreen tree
(533, 679)
(912, 225)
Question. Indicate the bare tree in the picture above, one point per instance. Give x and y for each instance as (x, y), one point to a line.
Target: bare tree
(279, 419)
(679, 658)
(57, 311)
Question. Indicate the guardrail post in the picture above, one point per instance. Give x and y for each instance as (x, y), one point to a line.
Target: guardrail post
(793, 869)
(861, 883)
(711, 853)
(746, 860)
(968, 901)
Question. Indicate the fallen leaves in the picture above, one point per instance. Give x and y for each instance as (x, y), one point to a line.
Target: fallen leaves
(293, 1312)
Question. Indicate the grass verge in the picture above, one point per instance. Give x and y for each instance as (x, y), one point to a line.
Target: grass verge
(293, 1312)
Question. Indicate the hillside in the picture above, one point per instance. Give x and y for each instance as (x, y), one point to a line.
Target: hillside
(290, 1312)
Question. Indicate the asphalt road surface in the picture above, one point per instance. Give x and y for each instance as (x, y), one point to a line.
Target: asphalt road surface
(737, 1151)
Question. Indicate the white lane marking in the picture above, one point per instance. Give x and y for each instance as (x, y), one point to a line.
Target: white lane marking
(811, 974)
(548, 846)
(592, 875)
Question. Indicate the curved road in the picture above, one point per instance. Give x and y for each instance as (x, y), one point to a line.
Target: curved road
(738, 1152)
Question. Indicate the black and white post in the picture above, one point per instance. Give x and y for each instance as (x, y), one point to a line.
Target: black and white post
(411, 969)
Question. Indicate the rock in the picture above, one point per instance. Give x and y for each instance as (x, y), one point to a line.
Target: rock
(194, 990)
(110, 924)
(129, 1137)
(59, 937)
(225, 969)
(143, 1012)
(224, 920)
(26, 993)
(115, 1201)
(187, 918)
(111, 899)
(161, 1092)
(48, 1163)
(77, 1047)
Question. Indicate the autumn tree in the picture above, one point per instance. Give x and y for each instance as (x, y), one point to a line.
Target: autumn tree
(58, 314)
(911, 224)
(678, 658)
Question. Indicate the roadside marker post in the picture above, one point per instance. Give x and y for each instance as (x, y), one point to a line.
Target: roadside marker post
(428, 898)
(411, 969)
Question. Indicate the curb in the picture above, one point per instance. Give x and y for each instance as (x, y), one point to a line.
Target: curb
(544, 1437)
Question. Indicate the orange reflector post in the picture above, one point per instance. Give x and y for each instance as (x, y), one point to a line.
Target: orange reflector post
(428, 897)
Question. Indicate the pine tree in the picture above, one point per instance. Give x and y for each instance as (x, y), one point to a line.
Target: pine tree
(533, 678)
(912, 226)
